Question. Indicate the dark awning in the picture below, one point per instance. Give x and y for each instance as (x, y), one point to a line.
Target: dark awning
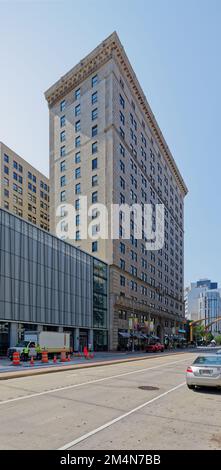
(124, 334)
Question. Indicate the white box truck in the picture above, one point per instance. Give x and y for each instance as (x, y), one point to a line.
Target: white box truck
(35, 342)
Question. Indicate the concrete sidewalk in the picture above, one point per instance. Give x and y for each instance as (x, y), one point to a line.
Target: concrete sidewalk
(8, 371)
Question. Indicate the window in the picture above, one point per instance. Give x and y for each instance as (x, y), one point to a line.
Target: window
(62, 136)
(6, 170)
(94, 98)
(122, 264)
(78, 188)
(122, 247)
(78, 126)
(63, 196)
(94, 180)
(94, 164)
(62, 121)
(122, 101)
(78, 235)
(122, 133)
(77, 141)
(122, 118)
(6, 205)
(62, 105)
(63, 180)
(15, 176)
(94, 80)
(94, 148)
(77, 110)
(6, 181)
(78, 157)
(122, 281)
(63, 166)
(77, 219)
(62, 151)
(94, 246)
(77, 204)
(122, 150)
(94, 114)
(15, 165)
(77, 173)
(77, 94)
(6, 193)
(94, 197)
(122, 166)
(94, 131)
(6, 158)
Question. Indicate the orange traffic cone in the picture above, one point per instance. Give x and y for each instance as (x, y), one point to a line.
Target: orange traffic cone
(44, 357)
(16, 359)
(63, 356)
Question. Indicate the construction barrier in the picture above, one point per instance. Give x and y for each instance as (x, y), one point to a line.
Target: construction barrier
(16, 359)
(44, 357)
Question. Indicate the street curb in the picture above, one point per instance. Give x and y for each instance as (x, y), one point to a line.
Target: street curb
(50, 370)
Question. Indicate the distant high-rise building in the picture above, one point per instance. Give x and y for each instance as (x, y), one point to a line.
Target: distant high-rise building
(23, 189)
(203, 301)
(105, 144)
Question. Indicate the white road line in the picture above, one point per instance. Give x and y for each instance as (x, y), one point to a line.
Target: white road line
(110, 423)
(68, 387)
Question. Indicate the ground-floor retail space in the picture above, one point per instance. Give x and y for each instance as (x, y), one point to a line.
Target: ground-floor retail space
(12, 332)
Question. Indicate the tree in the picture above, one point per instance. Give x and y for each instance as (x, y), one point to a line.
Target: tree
(199, 332)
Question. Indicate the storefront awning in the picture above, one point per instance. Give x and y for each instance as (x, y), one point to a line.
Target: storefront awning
(124, 334)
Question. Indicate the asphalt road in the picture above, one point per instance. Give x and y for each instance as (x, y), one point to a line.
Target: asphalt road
(105, 408)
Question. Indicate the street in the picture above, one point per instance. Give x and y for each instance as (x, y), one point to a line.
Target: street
(109, 408)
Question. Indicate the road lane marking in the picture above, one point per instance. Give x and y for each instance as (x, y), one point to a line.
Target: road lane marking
(68, 387)
(113, 421)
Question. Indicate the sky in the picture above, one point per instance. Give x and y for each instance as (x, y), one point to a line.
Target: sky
(174, 47)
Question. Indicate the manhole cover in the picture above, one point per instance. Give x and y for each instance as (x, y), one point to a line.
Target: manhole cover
(148, 387)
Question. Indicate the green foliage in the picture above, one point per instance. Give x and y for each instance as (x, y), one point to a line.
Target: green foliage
(209, 337)
(218, 339)
(199, 332)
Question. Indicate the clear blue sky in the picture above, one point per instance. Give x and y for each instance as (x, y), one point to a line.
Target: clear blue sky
(175, 49)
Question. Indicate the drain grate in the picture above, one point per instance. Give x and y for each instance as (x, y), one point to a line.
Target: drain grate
(148, 387)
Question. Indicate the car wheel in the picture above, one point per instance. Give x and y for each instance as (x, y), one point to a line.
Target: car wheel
(191, 387)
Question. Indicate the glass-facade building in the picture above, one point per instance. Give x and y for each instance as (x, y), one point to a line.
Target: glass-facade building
(46, 283)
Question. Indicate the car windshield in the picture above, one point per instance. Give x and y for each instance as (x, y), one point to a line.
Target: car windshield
(22, 344)
(208, 360)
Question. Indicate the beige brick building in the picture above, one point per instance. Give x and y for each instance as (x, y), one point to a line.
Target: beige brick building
(23, 189)
(105, 143)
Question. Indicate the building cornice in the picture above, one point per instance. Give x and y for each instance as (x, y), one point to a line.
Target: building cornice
(112, 48)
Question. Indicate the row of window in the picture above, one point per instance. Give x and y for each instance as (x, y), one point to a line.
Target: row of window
(77, 94)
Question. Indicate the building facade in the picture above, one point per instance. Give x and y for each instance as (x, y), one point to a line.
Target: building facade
(203, 301)
(105, 144)
(23, 189)
(46, 283)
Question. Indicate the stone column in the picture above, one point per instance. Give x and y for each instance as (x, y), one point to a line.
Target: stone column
(91, 339)
(13, 334)
(76, 339)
